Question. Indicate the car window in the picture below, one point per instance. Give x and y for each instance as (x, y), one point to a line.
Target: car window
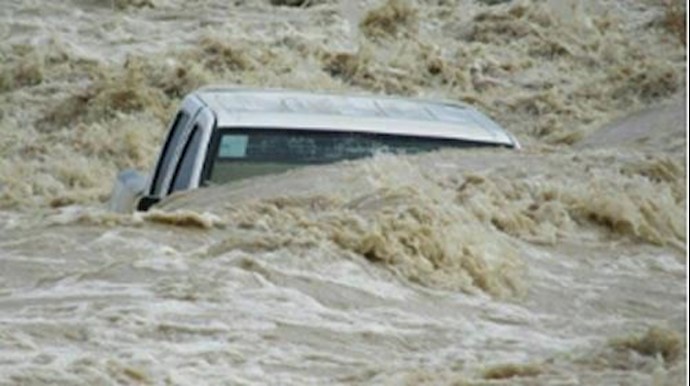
(171, 143)
(243, 153)
(185, 168)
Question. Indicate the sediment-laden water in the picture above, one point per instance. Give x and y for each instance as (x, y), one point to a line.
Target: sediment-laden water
(564, 263)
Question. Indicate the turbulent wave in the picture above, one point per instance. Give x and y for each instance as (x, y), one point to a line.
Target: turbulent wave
(563, 263)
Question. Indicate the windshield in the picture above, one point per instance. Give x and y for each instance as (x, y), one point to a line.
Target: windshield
(243, 153)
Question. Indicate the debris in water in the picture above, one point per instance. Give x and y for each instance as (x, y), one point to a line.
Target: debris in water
(656, 341)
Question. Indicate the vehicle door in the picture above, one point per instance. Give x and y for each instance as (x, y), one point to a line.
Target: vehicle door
(172, 148)
(188, 170)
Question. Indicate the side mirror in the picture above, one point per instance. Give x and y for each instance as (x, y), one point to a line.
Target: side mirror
(129, 186)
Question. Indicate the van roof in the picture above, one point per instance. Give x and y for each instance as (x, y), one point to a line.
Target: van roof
(283, 109)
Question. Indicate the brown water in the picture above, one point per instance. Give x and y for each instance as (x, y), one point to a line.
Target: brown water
(564, 263)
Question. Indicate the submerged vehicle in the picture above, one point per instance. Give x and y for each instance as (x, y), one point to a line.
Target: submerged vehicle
(220, 135)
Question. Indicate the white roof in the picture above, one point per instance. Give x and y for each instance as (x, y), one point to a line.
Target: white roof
(282, 109)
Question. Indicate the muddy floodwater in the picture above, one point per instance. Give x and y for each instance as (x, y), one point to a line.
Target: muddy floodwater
(564, 263)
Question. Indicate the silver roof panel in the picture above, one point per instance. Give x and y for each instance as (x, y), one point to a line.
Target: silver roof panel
(271, 109)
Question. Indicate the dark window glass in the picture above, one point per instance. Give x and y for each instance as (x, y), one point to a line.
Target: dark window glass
(246, 153)
(171, 143)
(183, 173)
